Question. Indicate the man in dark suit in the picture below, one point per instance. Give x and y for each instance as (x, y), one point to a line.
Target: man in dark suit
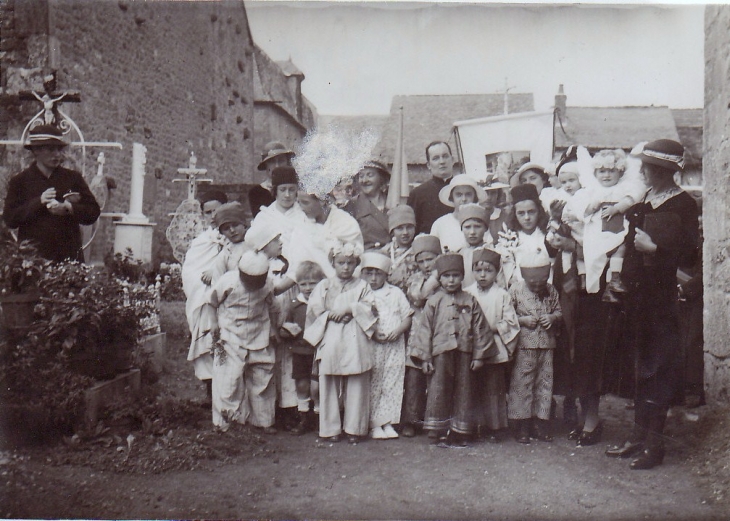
(424, 199)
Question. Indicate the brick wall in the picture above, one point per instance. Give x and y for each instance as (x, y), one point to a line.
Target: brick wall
(716, 206)
(174, 76)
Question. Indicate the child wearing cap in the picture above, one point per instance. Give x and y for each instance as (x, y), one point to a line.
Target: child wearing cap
(232, 222)
(394, 319)
(340, 323)
(539, 313)
(309, 274)
(474, 221)
(244, 315)
(451, 340)
(489, 382)
(461, 190)
(402, 225)
(421, 285)
(267, 240)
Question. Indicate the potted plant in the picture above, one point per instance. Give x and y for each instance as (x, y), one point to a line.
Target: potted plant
(21, 270)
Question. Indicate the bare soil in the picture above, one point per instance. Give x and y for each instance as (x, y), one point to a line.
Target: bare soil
(176, 466)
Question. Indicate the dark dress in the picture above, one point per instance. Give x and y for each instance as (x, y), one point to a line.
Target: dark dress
(652, 307)
(424, 199)
(373, 222)
(259, 196)
(57, 237)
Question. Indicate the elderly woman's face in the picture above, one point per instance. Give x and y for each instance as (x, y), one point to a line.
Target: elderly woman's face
(371, 181)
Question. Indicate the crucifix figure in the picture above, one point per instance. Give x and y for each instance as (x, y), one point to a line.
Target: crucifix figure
(50, 115)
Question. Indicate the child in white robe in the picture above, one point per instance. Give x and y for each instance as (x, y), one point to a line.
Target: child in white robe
(389, 361)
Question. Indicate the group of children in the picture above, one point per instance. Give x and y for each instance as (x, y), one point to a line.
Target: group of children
(415, 335)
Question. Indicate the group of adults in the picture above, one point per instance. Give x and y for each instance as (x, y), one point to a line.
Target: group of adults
(642, 332)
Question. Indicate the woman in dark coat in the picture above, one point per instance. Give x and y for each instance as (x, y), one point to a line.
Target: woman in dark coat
(368, 206)
(663, 235)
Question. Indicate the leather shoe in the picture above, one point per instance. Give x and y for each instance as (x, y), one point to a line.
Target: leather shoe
(590, 438)
(648, 459)
(626, 450)
(574, 435)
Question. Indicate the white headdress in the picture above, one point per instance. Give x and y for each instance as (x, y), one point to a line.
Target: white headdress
(328, 155)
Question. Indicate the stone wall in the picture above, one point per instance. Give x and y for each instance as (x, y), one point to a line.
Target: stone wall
(174, 76)
(716, 207)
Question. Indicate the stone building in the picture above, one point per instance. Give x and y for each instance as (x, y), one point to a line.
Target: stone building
(716, 207)
(177, 77)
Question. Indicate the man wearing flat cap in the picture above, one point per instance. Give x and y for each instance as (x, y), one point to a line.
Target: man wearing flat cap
(47, 202)
(275, 154)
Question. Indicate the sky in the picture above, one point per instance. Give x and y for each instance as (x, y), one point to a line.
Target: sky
(357, 56)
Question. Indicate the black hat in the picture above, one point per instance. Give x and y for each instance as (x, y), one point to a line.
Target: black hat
(284, 175)
(45, 135)
(664, 153)
(524, 193)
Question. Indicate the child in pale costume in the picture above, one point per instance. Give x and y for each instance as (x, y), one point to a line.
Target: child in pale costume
(340, 323)
(490, 398)
(267, 240)
(389, 360)
(244, 317)
(611, 192)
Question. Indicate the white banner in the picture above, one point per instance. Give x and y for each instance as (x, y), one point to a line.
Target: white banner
(496, 146)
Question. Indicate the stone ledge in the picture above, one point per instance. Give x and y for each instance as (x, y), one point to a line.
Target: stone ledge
(105, 393)
(155, 346)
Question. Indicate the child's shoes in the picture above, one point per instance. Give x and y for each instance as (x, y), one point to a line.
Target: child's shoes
(389, 431)
(615, 284)
(408, 431)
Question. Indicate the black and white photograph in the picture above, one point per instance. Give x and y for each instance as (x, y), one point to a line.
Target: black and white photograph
(331, 259)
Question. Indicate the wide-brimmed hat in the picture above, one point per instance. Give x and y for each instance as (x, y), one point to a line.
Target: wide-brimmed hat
(377, 165)
(461, 180)
(664, 153)
(374, 259)
(43, 136)
(449, 262)
(284, 175)
(515, 179)
(495, 185)
(271, 150)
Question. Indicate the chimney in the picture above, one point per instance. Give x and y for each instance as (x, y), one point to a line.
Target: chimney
(560, 101)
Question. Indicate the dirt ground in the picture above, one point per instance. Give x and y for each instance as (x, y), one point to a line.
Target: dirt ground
(178, 467)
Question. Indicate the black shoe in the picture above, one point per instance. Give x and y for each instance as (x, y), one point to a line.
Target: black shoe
(574, 435)
(590, 438)
(541, 430)
(303, 426)
(626, 450)
(648, 459)
(522, 434)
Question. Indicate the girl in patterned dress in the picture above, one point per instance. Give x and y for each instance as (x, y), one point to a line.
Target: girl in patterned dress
(389, 361)
(538, 311)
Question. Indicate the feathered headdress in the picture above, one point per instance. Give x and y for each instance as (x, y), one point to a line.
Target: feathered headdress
(330, 154)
